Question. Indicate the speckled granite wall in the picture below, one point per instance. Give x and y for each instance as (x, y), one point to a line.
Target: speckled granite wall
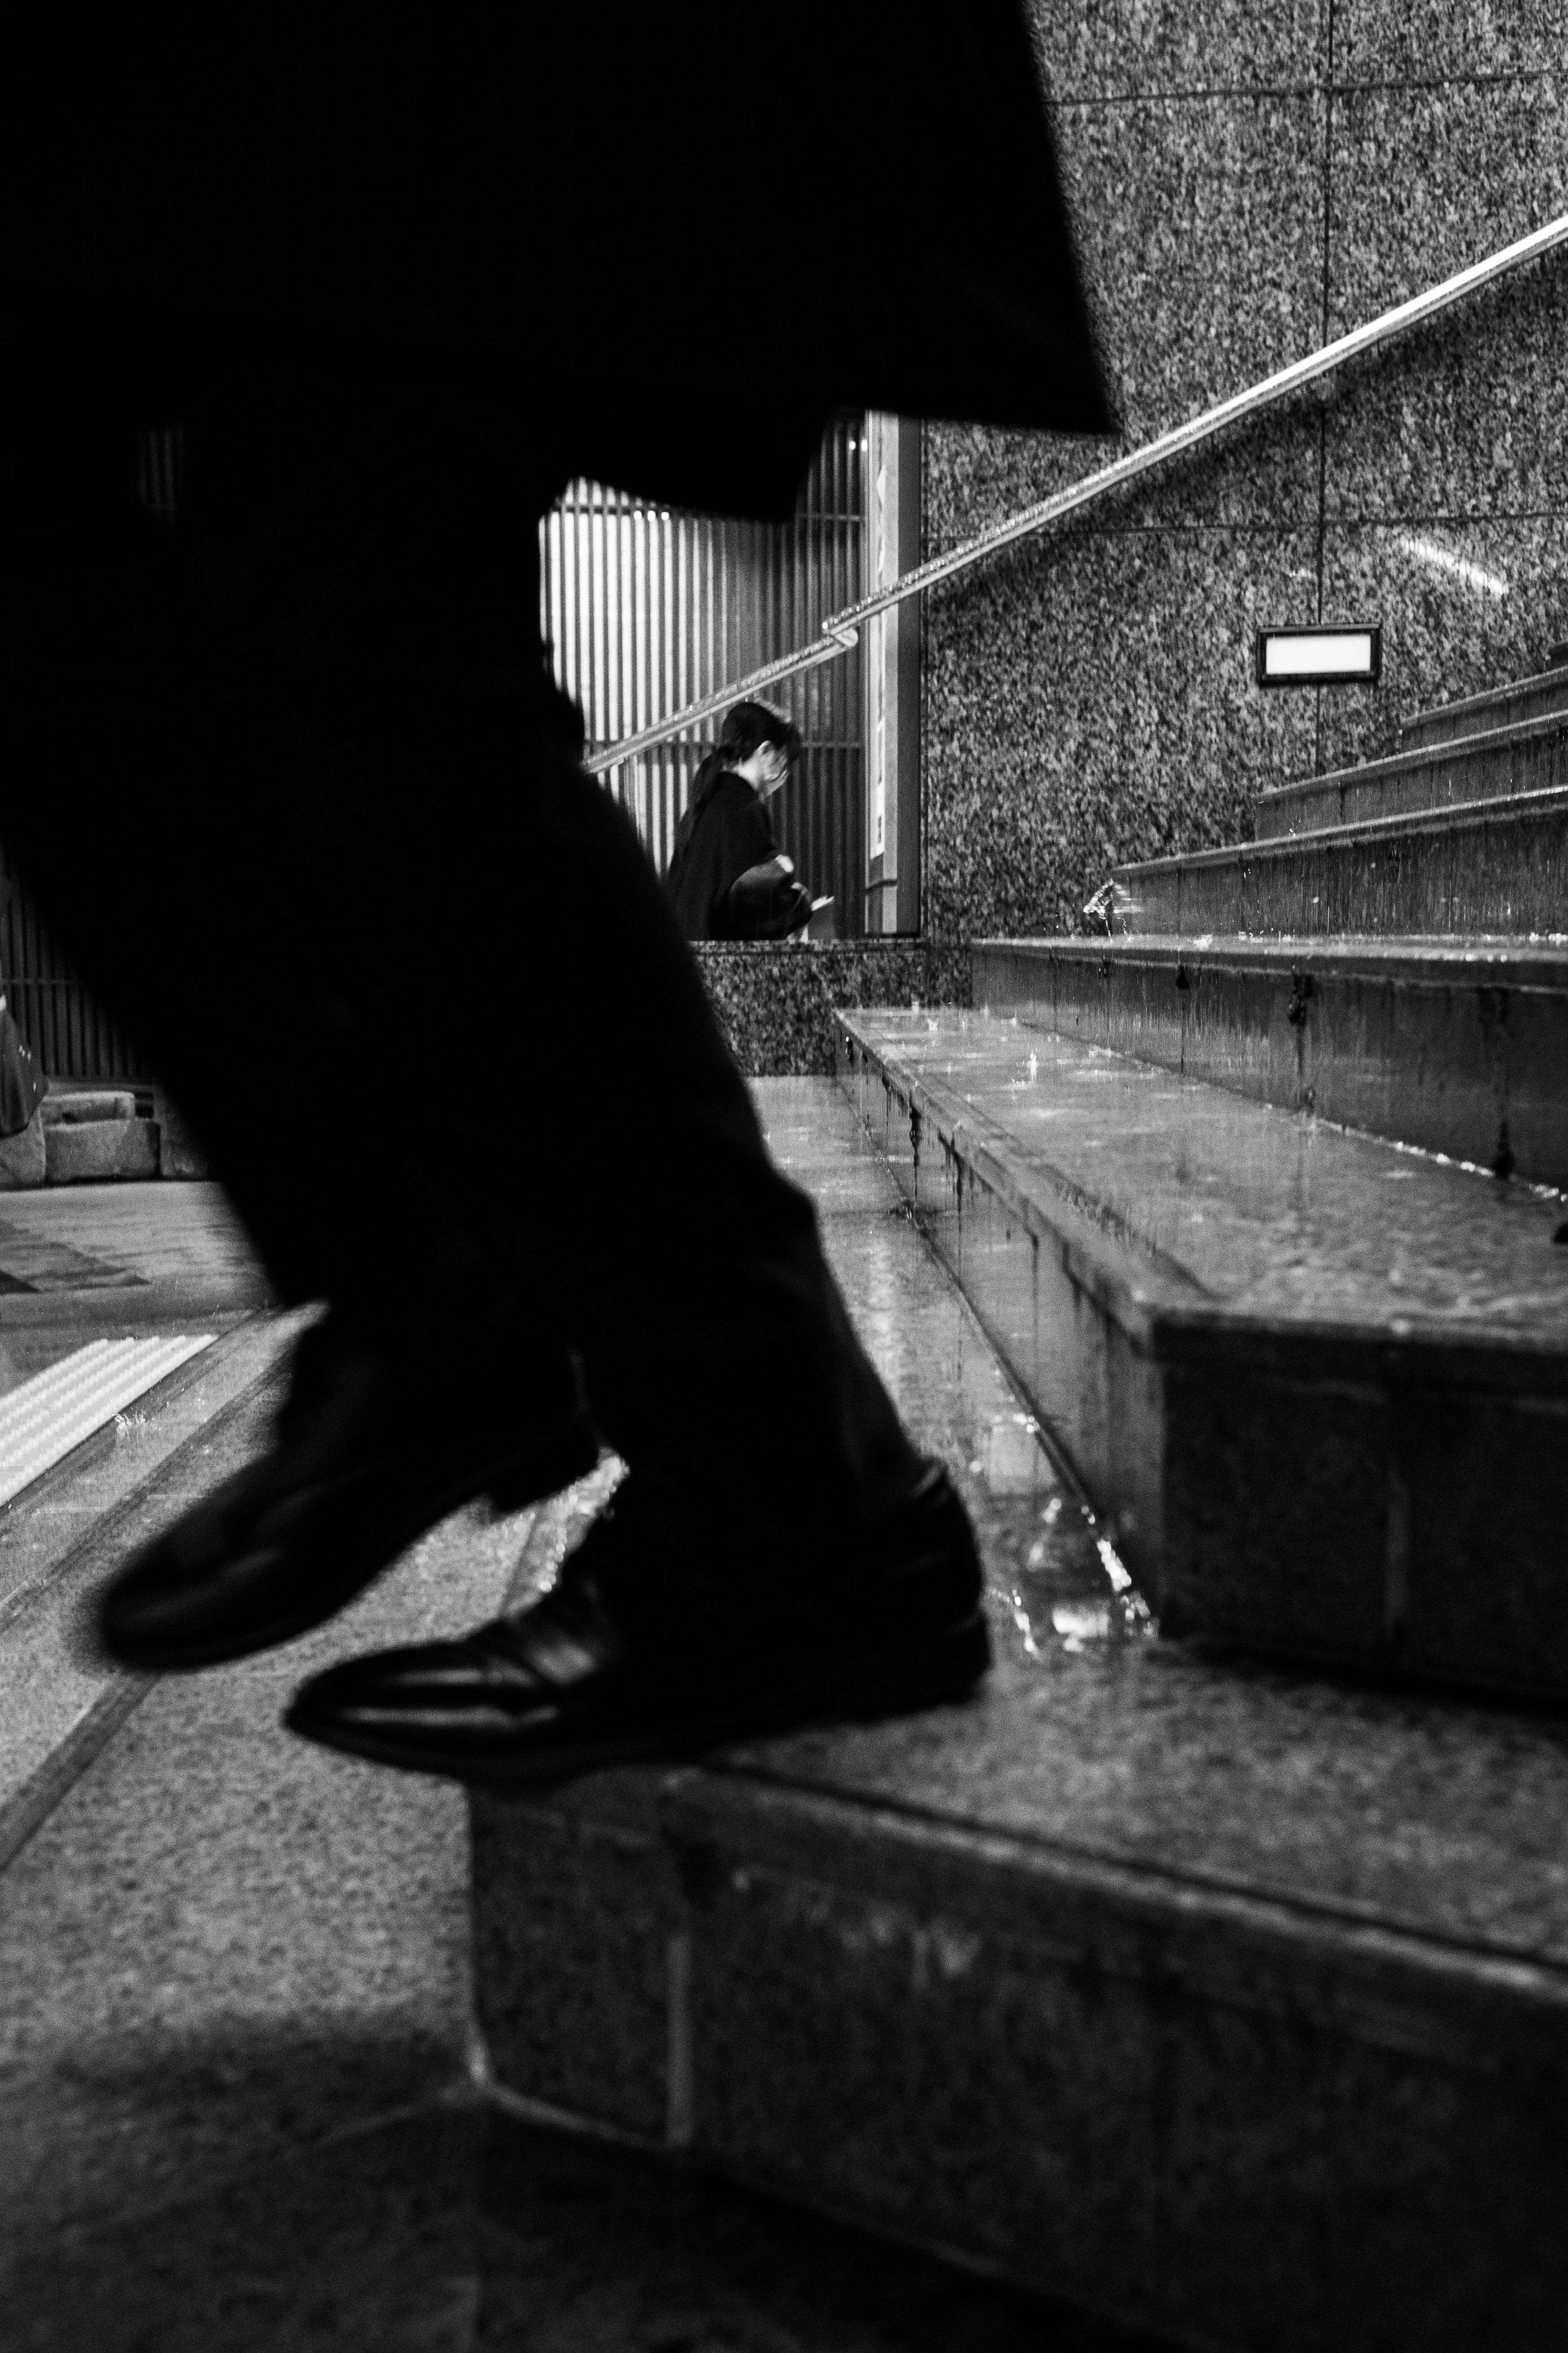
(1245, 185)
(774, 1001)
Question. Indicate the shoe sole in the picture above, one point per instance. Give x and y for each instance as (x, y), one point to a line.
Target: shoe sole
(526, 1477)
(933, 1672)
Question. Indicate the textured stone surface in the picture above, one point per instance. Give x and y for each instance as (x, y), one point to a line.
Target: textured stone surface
(1430, 175)
(774, 1001)
(22, 1160)
(163, 1244)
(1530, 758)
(69, 1107)
(452, 2229)
(1464, 606)
(1499, 871)
(1241, 189)
(1457, 1049)
(99, 1151)
(1319, 1388)
(1129, 657)
(1386, 40)
(1477, 714)
(1215, 1997)
(223, 1945)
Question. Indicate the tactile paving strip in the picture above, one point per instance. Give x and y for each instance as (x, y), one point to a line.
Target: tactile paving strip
(43, 1419)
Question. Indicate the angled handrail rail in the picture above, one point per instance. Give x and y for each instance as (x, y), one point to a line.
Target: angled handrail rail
(841, 630)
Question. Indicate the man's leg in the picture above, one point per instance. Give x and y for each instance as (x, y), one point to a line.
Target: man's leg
(350, 693)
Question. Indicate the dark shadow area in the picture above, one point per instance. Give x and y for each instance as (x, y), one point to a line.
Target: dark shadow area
(453, 2228)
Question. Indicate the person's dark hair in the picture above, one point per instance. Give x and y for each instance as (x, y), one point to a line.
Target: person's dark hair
(747, 726)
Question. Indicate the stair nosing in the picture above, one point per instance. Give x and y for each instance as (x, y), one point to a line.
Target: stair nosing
(1420, 755)
(1490, 695)
(1379, 955)
(1168, 1325)
(719, 1793)
(1452, 817)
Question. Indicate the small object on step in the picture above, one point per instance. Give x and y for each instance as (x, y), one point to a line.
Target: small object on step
(1101, 910)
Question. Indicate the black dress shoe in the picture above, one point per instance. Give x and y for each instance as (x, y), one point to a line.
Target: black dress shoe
(366, 1459)
(634, 1654)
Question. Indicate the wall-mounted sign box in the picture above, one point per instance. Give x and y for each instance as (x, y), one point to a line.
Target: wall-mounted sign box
(1319, 657)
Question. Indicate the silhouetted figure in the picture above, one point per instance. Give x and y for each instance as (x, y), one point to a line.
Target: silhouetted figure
(728, 878)
(346, 248)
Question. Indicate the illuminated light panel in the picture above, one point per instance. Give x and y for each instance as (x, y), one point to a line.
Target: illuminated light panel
(1339, 657)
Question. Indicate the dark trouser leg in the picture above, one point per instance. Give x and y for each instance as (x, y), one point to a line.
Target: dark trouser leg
(311, 825)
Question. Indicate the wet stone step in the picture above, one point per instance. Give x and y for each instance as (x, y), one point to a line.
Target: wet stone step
(1497, 764)
(1459, 1047)
(1209, 1995)
(1316, 1383)
(1494, 868)
(1501, 706)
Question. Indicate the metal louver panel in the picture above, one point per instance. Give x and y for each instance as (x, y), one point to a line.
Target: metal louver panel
(646, 608)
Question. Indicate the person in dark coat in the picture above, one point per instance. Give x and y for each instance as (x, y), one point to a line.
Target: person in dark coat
(342, 247)
(728, 878)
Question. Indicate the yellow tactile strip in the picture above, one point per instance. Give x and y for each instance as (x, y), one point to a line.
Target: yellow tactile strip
(42, 1421)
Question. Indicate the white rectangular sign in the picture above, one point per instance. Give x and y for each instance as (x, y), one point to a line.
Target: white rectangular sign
(1319, 657)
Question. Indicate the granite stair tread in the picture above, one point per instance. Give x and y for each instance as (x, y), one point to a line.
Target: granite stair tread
(1491, 866)
(1317, 1383)
(1528, 755)
(1237, 1209)
(1499, 706)
(1456, 1046)
(1202, 1992)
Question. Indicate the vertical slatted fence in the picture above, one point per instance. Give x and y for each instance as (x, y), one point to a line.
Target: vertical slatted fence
(70, 1033)
(646, 608)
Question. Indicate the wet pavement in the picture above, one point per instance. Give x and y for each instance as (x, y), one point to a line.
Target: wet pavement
(1265, 1212)
(1057, 1579)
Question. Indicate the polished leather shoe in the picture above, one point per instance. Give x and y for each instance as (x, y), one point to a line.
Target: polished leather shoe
(367, 1457)
(635, 1653)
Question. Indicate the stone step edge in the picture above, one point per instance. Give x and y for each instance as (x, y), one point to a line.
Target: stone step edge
(1492, 963)
(1539, 681)
(1162, 1309)
(1455, 817)
(955, 1923)
(1013, 1883)
(1422, 755)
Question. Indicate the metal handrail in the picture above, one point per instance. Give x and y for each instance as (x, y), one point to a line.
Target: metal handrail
(841, 630)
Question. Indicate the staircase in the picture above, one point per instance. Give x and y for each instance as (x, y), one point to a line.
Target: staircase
(1212, 1972)
(1228, 1201)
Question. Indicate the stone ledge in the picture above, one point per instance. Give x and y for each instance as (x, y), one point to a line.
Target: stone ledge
(775, 1000)
(100, 1151)
(1217, 2111)
(1318, 1387)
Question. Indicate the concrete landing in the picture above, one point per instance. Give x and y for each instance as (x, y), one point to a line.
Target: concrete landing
(1498, 867)
(162, 1249)
(1319, 1384)
(1215, 1999)
(1456, 1046)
